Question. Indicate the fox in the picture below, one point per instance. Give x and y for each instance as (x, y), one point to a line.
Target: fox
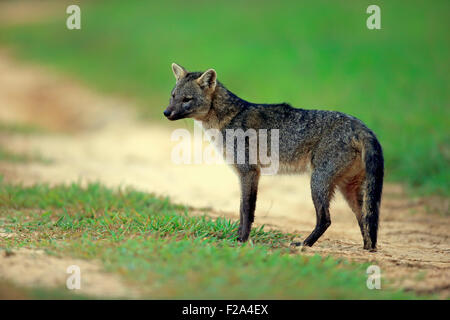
(339, 150)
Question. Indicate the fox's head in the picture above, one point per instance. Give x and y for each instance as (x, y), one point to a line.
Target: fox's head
(192, 94)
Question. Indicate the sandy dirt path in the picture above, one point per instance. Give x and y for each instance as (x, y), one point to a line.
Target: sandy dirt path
(34, 268)
(103, 141)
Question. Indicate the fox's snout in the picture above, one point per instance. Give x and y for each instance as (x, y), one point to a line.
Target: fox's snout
(173, 114)
(167, 112)
(170, 114)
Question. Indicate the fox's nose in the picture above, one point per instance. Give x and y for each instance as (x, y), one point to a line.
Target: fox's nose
(167, 112)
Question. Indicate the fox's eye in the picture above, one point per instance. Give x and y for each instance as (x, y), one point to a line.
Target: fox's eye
(187, 99)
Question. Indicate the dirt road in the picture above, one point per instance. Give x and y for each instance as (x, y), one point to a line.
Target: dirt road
(100, 139)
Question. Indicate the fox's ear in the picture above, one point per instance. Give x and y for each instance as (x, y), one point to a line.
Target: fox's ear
(208, 79)
(178, 71)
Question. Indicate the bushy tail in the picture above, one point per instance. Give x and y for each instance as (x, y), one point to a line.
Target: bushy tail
(374, 164)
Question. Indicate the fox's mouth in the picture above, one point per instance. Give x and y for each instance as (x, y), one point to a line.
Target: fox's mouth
(175, 116)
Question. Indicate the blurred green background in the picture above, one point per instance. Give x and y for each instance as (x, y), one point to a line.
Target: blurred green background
(312, 54)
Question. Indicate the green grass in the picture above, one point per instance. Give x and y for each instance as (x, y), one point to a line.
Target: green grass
(315, 55)
(15, 157)
(160, 248)
(9, 156)
(10, 291)
(20, 128)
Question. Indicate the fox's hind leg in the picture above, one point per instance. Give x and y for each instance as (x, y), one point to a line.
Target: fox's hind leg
(329, 162)
(351, 188)
(322, 189)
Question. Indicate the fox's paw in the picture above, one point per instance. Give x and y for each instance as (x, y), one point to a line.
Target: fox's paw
(370, 248)
(242, 239)
(297, 246)
(243, 235)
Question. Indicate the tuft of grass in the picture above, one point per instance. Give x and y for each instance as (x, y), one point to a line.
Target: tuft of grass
(117, 214)
(8, 156)
(159, 247)
(20, 128)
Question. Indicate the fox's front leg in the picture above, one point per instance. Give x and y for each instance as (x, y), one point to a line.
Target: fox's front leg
(249, 188)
